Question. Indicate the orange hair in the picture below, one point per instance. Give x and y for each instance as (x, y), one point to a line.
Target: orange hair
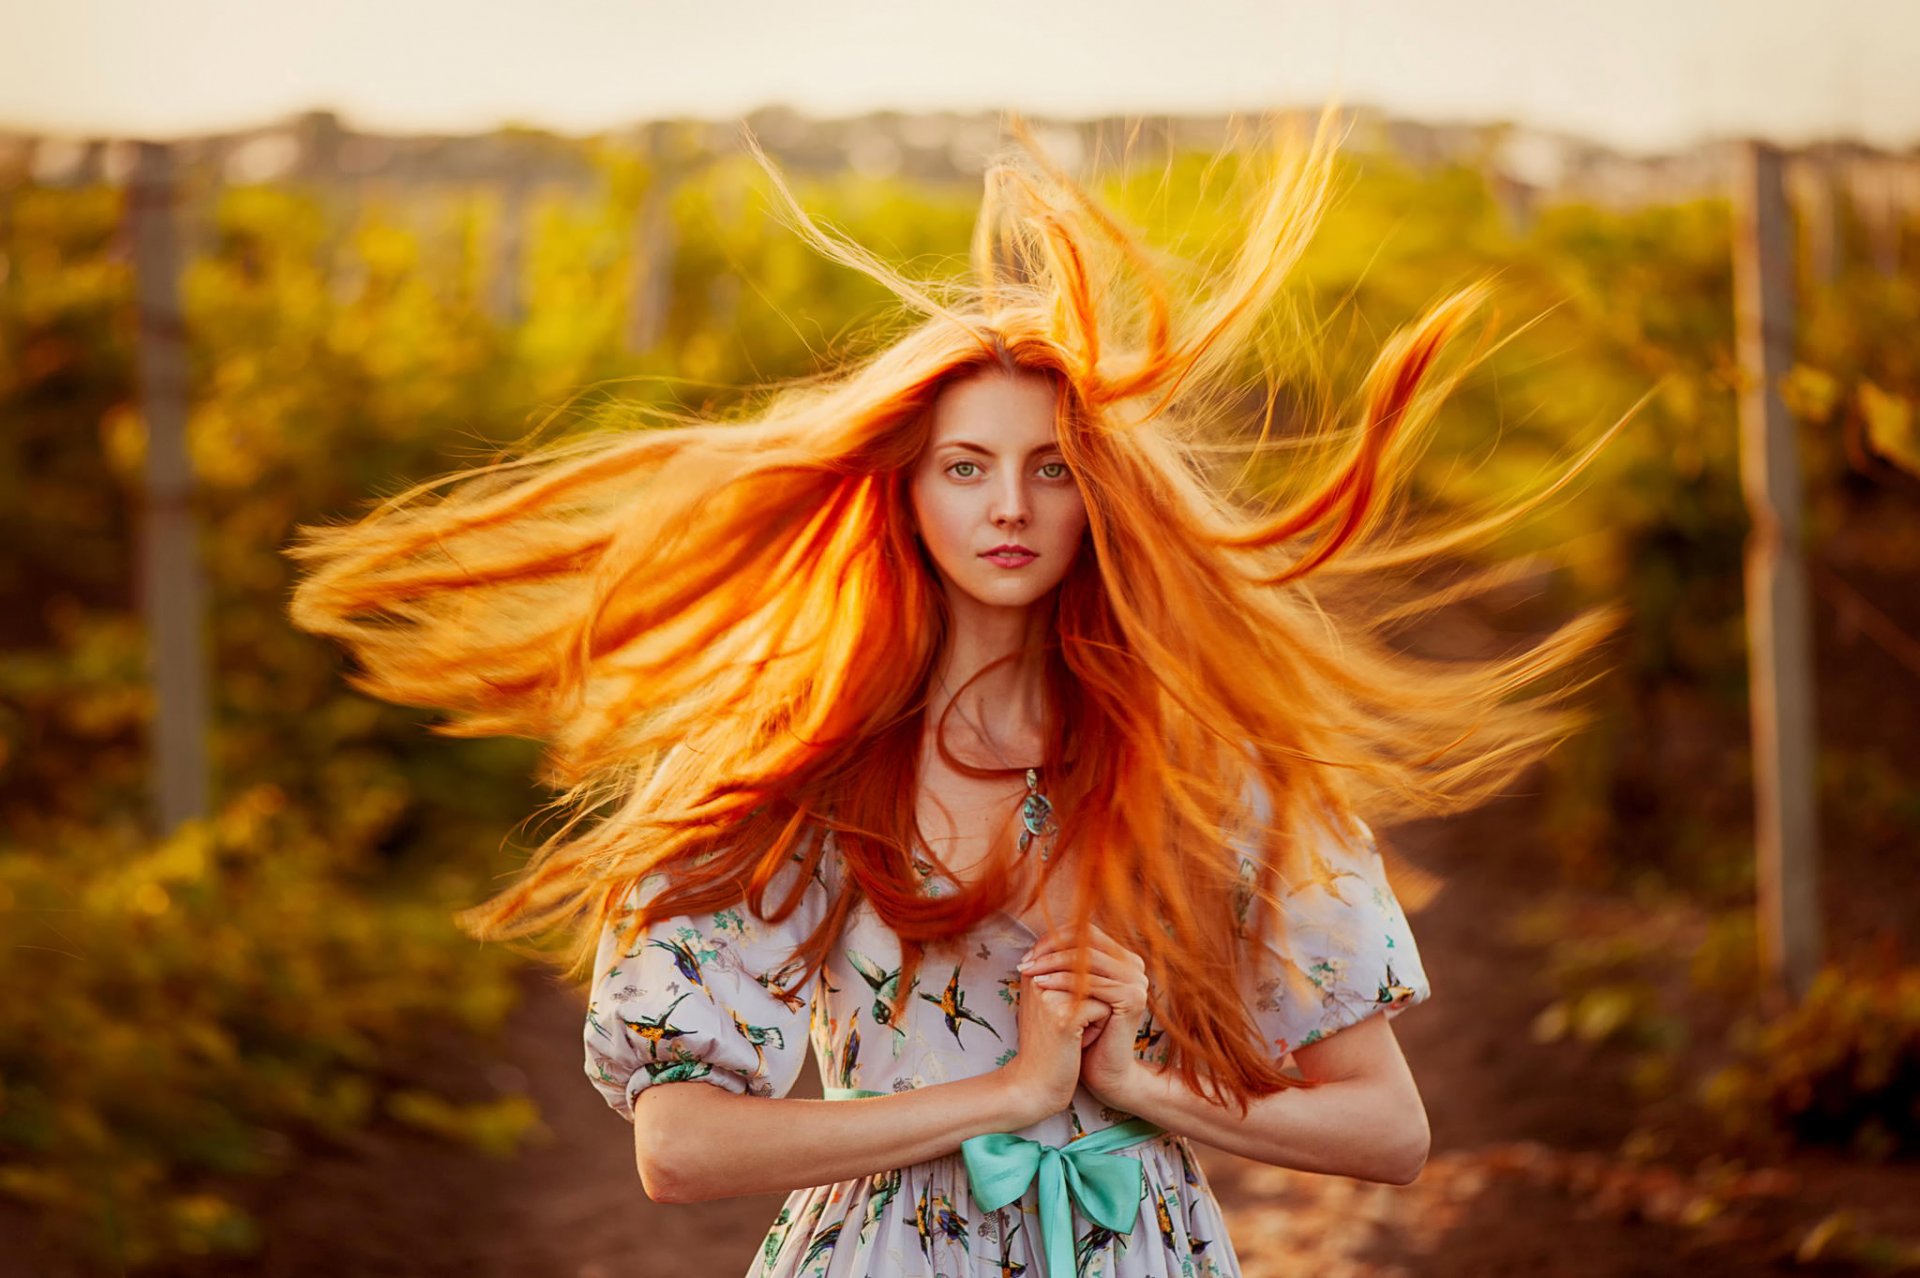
(725, 633)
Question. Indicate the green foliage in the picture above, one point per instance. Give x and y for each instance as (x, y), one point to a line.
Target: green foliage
(1846, 1237)
(1840, 1068)
(1890, 427)
(1605, 973)
(497, 1127)
(175, 1010)
(184, 1015)
(1726, 962)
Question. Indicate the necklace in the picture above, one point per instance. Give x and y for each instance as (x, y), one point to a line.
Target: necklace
(1036, 809)
(1036, 816)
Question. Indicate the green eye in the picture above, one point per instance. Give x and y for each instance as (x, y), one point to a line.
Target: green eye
(955, 469)
(1060, 466)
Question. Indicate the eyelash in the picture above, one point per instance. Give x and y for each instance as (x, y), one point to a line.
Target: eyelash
(976, 466)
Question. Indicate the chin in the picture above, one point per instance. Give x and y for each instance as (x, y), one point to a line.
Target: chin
(1010, 594)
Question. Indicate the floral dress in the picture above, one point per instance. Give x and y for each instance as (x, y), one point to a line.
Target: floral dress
(711, 997)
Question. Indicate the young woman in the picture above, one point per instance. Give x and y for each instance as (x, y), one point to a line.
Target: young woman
(969, 717)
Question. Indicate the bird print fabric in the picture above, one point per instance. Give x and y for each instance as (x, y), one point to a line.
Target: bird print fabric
(713, 998)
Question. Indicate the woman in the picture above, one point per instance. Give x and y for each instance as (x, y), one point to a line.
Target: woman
(963, 715)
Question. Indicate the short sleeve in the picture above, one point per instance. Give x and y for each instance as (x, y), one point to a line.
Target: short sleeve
(1345, 951)
(711, 997)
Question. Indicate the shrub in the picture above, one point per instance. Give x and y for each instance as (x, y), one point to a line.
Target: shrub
(1841, 1068)
(177, 1013)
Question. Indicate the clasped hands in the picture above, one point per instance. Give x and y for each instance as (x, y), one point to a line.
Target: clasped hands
(1117, 977)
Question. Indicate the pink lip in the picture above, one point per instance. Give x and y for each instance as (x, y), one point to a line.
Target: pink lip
(1009, 556)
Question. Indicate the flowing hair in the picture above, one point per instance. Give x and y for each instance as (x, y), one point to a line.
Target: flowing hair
(724, 631)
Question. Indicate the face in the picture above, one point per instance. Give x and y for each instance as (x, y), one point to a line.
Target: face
(996, 506)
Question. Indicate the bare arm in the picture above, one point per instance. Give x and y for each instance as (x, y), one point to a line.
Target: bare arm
(689, 1136)
(694, 1141)
(1367, 1121)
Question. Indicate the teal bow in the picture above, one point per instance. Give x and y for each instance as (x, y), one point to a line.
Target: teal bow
(1087, 1172)
(1106, 1186)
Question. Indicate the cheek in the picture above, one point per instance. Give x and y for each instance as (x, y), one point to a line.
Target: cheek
(942, 518)
(1069, 517)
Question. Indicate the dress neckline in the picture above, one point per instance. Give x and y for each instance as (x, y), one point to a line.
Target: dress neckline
(1019, 922)
(1031, 931)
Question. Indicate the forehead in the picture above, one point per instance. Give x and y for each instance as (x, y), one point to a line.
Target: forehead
(996, 407)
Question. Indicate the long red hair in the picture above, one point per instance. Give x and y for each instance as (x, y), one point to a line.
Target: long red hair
(725, 632)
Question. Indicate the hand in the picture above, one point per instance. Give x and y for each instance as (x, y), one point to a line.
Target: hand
(1053, 1027)
(1118, 978)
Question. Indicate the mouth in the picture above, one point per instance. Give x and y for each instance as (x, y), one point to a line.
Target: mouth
(1010, 556)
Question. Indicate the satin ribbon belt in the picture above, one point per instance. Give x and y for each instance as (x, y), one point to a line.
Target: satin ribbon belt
(1084, 1173)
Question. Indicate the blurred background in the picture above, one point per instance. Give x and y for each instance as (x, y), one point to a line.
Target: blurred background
(259, 265)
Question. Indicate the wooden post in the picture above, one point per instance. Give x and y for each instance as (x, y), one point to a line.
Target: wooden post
(170, 576)
(505, 295)
(1876, 202)
(1779, 639)
(651, 289)
(1815, 199)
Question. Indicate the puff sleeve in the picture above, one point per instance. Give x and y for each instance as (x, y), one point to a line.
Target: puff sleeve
(710, 997)
(1345, 952)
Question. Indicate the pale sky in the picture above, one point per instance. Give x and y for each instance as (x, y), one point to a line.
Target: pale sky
(1640, 74)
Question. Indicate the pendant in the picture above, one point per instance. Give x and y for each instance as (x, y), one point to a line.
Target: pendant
(1036, 815)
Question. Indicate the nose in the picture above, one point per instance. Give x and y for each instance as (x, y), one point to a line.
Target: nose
(1010, 507)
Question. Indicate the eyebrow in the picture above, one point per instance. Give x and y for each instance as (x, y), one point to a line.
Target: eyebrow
(971, 447)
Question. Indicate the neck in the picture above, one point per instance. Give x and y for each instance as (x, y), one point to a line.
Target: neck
(1005, 708)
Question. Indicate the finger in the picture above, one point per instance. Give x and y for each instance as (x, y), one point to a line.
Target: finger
(1097, 961)
(1057, 958)
(1119, 998)
(1064, 980)
(1097, 966)
(1112, 993)
(1109, 1002)
(1100, 942)
(1067, 938)
(1093, 1011)
(1106, 996)
(1104, 943)
(1059, 948)
(1101, 970)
